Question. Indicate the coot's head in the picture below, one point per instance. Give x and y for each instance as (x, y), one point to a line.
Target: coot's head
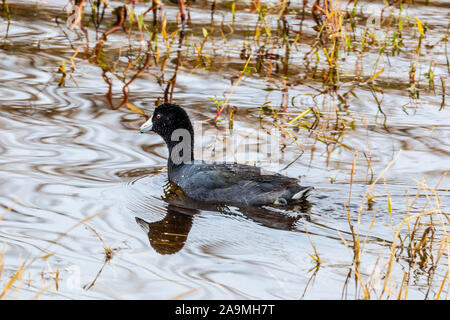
(166, 119)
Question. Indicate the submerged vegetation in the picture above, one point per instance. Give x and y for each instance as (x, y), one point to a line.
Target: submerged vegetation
(319, 56)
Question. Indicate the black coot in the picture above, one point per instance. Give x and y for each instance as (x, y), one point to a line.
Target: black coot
(227, 183)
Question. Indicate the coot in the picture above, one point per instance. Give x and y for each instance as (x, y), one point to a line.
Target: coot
(227, 183)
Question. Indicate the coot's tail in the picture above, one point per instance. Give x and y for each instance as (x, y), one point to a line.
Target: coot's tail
(299, 194)
(302, 194)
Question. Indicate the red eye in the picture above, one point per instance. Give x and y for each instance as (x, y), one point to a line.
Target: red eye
(158, 116)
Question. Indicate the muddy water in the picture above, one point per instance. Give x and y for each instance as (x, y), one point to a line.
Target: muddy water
(67, 157)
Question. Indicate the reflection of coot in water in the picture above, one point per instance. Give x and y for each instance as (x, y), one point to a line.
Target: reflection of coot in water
(170, 234)
(225, 183)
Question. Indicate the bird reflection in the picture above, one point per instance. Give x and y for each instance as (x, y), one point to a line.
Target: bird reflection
(169, 235)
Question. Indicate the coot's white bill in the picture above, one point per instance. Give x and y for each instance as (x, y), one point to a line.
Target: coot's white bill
(147, 126)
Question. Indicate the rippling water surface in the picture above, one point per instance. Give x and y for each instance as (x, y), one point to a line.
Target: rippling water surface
(66, 156)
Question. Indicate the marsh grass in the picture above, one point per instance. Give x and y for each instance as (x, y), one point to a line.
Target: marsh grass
(109, 252)
(419, 238)
(15, 282)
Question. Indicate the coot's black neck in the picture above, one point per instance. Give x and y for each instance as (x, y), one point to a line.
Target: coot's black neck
(181, 148)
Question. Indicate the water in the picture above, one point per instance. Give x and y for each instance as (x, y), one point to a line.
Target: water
(67, 156)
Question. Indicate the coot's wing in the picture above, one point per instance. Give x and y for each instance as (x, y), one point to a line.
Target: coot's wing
(235, 183)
